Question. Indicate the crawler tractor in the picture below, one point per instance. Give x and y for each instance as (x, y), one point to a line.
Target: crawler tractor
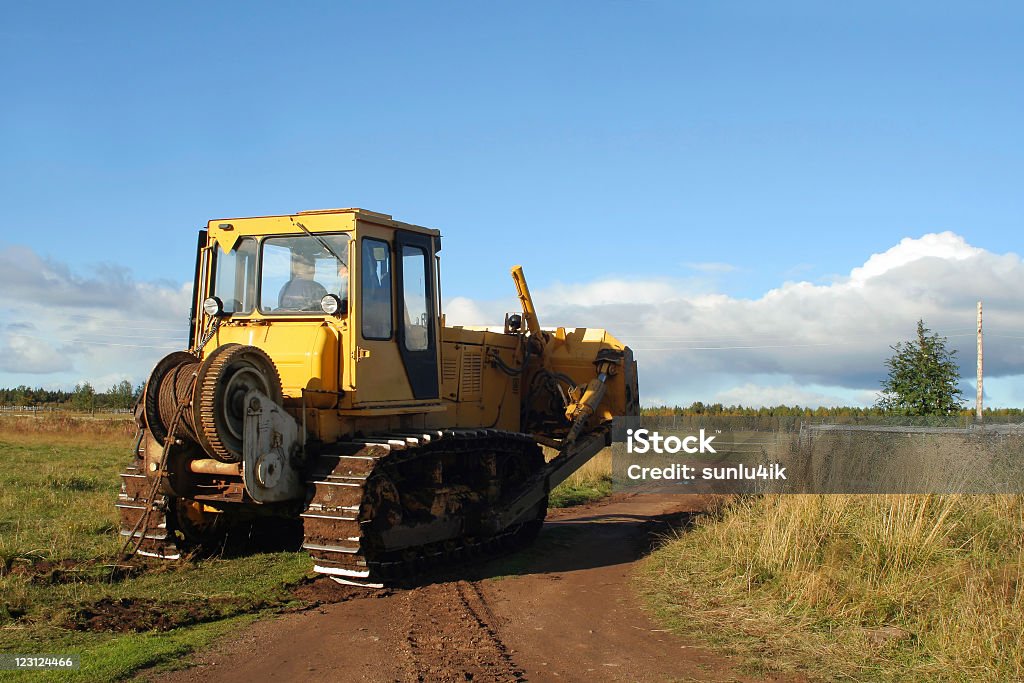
(322, 389)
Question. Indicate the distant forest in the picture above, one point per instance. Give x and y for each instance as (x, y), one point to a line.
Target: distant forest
(717, 409)
(123, 396)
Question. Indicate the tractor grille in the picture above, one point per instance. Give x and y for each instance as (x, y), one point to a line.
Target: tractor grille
(472, 370)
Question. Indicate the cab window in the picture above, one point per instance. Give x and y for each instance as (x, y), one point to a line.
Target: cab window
(414, 293)
(235, 281)
(375, 293)
(298, 272)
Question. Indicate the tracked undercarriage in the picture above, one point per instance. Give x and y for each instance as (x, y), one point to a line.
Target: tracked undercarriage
(379, 509)
(389, 508)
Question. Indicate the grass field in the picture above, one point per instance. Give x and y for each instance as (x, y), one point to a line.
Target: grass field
(62, 589)
(885, 587)
(59, 589)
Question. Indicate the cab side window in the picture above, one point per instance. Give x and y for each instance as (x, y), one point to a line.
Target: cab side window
(235, 280)
(375, 278)
(414, 286)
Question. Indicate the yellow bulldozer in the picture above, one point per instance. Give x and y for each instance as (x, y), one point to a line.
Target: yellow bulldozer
(323, 390)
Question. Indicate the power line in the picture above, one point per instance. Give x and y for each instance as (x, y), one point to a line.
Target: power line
(121, 335)
(95, 343)
(760, 336)
(118, 324)
(726, 348)
(758, 346)
(753, 337)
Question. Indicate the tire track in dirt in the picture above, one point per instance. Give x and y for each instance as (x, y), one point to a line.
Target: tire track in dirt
(451, 635)
(562, 610)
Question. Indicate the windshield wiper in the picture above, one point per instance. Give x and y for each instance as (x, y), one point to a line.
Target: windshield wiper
(320, 240)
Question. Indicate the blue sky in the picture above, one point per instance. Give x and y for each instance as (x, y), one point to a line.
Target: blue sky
(591, 140)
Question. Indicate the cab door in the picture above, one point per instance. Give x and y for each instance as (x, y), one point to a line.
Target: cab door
(417, 312)
(394, 357)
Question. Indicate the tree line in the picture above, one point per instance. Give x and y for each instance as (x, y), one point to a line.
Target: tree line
(84, 396)
(719, 410)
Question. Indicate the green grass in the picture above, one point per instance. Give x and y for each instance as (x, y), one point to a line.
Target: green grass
(112, 657)
(591, 482)
(571, 493)
(887, 588)
(57, 494)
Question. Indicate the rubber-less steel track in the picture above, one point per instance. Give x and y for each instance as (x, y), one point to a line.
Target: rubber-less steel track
(384, 508)
(394, 506)
(146, 526)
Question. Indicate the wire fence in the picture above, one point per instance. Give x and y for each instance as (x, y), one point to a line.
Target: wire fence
(32, 410)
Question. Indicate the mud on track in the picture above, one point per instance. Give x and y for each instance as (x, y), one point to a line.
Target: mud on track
(562, 610)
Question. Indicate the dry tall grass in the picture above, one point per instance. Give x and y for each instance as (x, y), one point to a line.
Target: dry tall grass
(66, 427)
(889, 587)
(596, 469)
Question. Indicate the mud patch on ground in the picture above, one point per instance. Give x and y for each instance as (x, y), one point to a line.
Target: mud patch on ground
(322, 590)
(52, 572)
(136, 614)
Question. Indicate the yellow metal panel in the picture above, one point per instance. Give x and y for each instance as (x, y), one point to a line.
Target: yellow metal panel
(313, 212)
(374, 365)
(304, 352)
(226, 231)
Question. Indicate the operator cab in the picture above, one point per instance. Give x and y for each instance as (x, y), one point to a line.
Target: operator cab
(336, 295)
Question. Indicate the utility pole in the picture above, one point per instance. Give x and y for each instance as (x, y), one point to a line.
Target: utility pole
(978, 403)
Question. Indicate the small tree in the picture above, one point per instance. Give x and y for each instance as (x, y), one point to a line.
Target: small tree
(923, 377)
(121, 395)
(84, 397)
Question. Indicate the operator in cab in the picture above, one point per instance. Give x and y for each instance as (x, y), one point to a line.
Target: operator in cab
(302, 292)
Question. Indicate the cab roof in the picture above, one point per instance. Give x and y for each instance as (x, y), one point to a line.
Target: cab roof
(226, 231)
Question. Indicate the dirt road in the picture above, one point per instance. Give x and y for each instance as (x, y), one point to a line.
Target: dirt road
(563, 610)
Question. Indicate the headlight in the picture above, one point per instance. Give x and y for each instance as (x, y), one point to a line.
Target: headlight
(331, 304)
(213, 306)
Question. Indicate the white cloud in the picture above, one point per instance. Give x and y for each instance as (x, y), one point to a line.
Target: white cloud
(603, 292)
(59, 327)
(32, 355)
(464, 311)
(692, 343)
(756, 395)
(947, 246)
